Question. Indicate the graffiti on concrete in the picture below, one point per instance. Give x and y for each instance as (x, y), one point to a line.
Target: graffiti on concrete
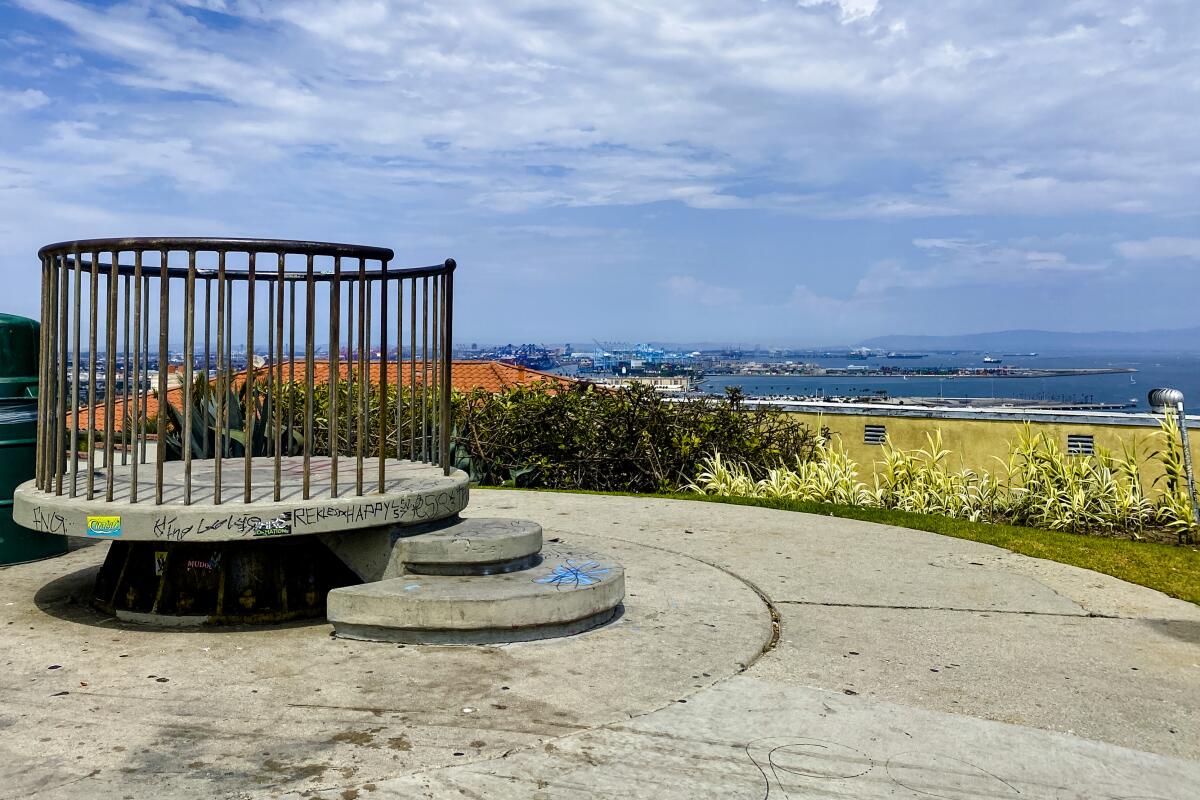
(417, 508)
(48, 521)
(573, 574)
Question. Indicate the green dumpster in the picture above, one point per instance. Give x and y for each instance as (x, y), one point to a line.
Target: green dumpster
(18, 432)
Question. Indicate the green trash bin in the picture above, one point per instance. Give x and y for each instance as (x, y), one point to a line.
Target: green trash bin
(18, 437)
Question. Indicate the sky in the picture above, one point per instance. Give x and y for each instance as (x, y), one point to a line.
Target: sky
(788, 173)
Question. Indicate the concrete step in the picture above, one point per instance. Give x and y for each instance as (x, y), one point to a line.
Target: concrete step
(569, 592)
(454, 546)
(477, 546)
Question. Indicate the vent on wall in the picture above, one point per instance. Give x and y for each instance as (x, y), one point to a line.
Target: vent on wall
(1079, 444)
(874, 434)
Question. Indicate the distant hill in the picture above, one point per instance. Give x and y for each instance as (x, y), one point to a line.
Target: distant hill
(1024, 341)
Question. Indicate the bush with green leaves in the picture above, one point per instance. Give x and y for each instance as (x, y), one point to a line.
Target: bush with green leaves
(547, 435)
(579, 436)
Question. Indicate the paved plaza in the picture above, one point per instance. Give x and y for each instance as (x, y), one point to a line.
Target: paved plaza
(759, 654)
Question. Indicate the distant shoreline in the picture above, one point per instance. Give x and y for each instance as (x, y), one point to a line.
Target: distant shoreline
(919, 373)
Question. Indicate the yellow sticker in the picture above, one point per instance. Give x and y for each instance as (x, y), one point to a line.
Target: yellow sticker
(109, 527)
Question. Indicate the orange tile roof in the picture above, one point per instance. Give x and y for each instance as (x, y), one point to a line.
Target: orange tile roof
(465, 376)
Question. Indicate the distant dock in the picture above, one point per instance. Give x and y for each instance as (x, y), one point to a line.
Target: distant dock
(812, 371)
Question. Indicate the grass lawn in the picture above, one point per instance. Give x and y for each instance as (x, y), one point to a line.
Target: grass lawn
(1171, 569)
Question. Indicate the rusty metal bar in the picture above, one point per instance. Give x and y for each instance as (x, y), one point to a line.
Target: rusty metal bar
(135, 421)
(448, 355)
(145, 364)
(425, 369)
(160, 449)
(60, 421)
(40, 423)
(412, 373)
(335, 307)
(248, 421)
(351, 364)
(363, 389)
(383, 378)
(400, 366)
(189, 361)
(291, 365)
(309, 366)
(112, 288)
(109, 347)
(125, 382)
(48, 328)
(230, 372)
(208, 398)
(51, 323)
(277, 367)
(435, 419)
(75, 334)
(269, 381)
(220, 422)
(367, 320)
(91, 435)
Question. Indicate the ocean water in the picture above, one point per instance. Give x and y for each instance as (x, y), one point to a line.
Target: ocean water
(1153, 370)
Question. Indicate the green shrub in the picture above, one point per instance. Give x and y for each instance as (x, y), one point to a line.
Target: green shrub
(550, 435)
(578, 436)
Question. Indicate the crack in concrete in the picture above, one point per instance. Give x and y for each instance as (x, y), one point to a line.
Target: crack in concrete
(889, 607)
(776, 618)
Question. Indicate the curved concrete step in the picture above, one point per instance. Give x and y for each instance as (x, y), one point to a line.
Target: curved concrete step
(569, 592)
(478, 546)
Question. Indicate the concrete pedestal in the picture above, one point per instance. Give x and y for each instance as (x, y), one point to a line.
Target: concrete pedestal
(397, 565)
(569, 591)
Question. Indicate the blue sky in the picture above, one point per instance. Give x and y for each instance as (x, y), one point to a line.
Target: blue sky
(806, 172)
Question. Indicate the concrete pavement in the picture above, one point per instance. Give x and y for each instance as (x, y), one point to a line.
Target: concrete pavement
(760, 654)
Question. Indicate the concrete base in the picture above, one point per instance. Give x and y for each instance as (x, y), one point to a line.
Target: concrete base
(453, 546)
(219, 583)
(570, 591)
(413, 493)
(473, 547)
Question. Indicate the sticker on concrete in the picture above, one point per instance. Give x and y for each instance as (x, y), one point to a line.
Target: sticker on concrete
(108, 527)
(160, 562)
(573, 574)
(279, 526)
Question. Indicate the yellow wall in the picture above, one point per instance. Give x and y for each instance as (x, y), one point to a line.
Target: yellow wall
(977, 443)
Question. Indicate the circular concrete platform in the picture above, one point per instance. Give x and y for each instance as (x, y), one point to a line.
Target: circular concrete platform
(260, 711)
(570, 591)
(414, 492)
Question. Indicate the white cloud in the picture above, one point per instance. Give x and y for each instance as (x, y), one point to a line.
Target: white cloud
(1015, 147)
(958, 262)
(851, 10)
(24, 100)
(1042, 109)
(690, 289)
(1160, 248)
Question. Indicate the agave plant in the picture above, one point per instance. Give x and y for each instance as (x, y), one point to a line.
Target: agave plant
(234, 439)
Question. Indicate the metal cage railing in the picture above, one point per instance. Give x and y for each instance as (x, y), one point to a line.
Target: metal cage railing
(144, 310)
